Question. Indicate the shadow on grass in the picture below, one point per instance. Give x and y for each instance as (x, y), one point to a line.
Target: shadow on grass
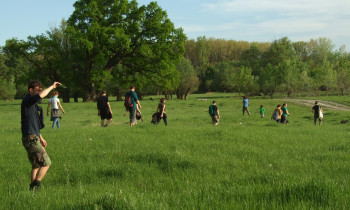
(311, 193)
(274, 124)
(309, 117)
(86, 122)
(164, 163)
(109, 201)
(113, 173)
(213, 97)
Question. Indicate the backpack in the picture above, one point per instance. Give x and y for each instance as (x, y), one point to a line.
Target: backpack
(320, 113)
(155, 118)
(138, 115)
(211, 110)
(275, 115)
(128, 102)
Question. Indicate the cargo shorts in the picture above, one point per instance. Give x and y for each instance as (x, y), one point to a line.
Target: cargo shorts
(36, 152)
(132, 115)
(215, 118)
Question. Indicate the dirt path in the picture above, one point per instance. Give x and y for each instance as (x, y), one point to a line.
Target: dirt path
(326, 104)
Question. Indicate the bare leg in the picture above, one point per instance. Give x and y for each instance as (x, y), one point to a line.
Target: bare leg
(33, 174)
(102, 123)
(39, 173)
(109, 122)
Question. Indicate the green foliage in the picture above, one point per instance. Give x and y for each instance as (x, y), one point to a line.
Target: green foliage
(111, 33)
(246, 82)
(294, 76)
(224, 79)
(251, 58)
(7, 88)
(280, 50)
(188, 79)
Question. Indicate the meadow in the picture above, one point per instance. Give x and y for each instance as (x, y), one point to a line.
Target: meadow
(244, 162)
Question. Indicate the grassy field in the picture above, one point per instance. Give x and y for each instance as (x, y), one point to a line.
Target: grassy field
(244, 162)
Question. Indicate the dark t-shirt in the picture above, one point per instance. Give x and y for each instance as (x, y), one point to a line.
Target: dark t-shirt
(134, 98)
(215, 109)
(316, 109)
(160, 107)
(102, 103)
(29, 115)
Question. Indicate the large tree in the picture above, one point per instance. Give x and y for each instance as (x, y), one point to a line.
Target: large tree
(224, 79)
(108, 33)
(188, 79)
(7, 85)
(47, 55)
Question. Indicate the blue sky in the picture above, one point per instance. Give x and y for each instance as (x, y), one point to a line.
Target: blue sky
(247, 20)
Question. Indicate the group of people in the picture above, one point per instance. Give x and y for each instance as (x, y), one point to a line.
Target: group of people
(132, 105)
(280, 114)
(32, 121)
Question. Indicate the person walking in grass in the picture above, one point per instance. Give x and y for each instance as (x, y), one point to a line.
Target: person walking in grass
(104, 109)
(285, 114)
(245, 105)
(318, 113)
(277, 113)
(161, 111)
(31, 123)
(262, 111)
(214, 113)
(54, 102)
(131, 103)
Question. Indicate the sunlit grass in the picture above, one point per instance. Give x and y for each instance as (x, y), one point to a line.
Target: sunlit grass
(244, 162)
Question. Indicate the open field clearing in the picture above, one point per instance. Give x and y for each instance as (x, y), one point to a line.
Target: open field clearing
(244, 162)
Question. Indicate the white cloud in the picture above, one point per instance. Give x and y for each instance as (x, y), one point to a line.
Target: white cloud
(299, 6)
(266, 20)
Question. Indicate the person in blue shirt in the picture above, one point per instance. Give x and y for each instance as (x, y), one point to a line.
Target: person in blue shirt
(136, 103)
(31, 124)
(245, 105)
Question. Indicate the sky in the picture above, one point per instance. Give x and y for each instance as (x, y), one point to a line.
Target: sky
(240, 20)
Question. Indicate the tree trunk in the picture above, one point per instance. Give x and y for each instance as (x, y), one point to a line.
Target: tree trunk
(90, 92)
(66, 96)
(187, 93)
(76, 96)
(119, 97)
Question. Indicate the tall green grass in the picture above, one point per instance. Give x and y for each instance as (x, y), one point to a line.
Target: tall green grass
(244, 162)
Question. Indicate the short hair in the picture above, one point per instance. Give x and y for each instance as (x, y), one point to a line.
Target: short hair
(279, 105)
(284, 104)
(316, 102)
(214, 102)
(162, 100)
(103, 92)
(132, 87)
(261, 106)
(55, 93)
(34, 83)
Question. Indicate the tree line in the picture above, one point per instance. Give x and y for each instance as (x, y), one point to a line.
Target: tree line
(112, 44)
(282, 66)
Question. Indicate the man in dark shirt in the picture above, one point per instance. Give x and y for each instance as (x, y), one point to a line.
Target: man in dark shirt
(316, 110)
(214, 113)
(135, 102)
(32, 140)
(104, 109)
